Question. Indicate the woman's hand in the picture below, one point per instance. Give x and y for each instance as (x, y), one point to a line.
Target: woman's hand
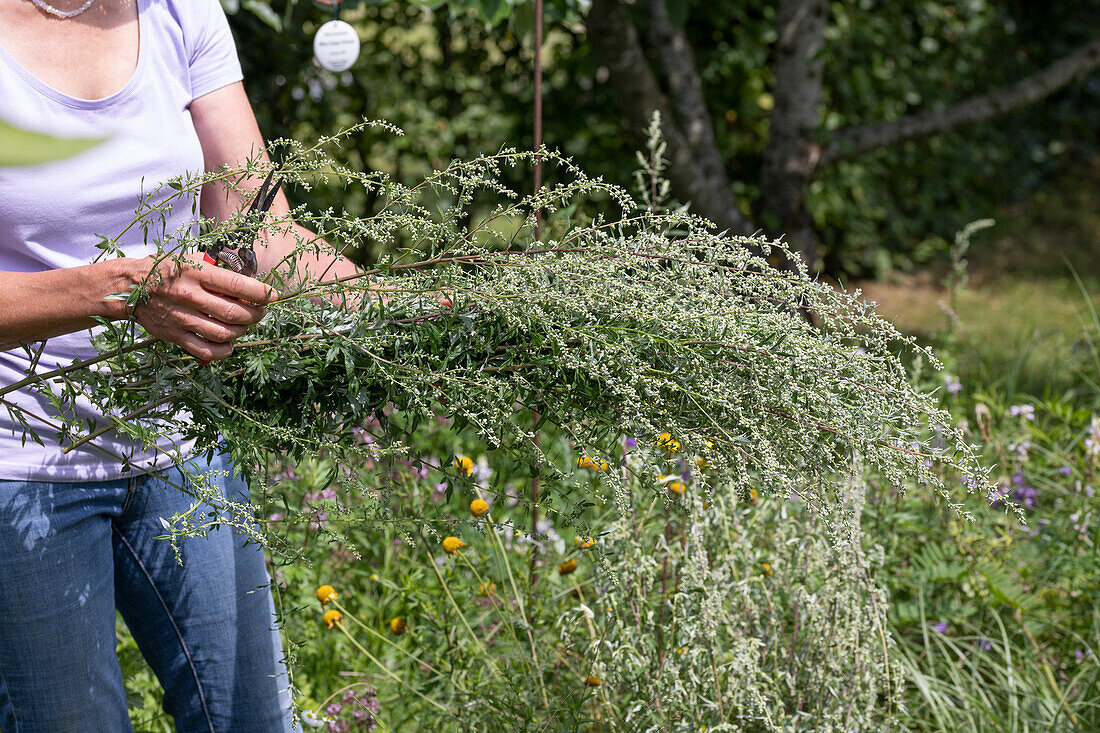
(201, 307)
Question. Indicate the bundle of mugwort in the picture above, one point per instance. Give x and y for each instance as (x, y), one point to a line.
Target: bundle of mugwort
(637, 321)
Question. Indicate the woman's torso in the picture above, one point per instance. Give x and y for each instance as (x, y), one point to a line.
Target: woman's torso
(90, 56)
(58, 214)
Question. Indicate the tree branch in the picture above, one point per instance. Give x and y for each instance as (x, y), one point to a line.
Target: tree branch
(676, 60)
(853, 141)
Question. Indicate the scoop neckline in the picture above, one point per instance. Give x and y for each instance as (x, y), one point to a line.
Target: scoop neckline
(77, 102)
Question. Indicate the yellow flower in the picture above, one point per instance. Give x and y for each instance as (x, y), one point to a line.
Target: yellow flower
(664, 440)
(464, 464)
(451, 545)
(398, 625)
(702, 462)
(487, 589)
(754, 496)
(584, 543)
(326, 593)
(591, 681)
(567, 567)
(671, 483)
(767, 569)
(333, 617)
(595, 464)
(478, 507)
(374, 577)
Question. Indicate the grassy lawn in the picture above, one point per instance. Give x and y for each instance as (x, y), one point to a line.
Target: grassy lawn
(1014, 335)
(1022, 323)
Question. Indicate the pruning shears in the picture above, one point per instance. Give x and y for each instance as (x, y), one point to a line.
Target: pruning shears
(234, 248)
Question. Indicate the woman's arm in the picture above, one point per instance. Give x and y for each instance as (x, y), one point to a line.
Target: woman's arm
(203, 309)
(39, 305)
(229, 135)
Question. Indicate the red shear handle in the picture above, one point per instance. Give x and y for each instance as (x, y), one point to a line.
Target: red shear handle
(209, 260)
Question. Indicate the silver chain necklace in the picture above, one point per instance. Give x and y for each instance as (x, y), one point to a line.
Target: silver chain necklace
(63, 13)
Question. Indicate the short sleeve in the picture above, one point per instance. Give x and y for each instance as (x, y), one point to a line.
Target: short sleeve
(212, 61)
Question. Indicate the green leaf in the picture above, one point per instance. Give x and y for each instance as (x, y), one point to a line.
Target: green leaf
(22, 147)
(263, 11)
(493, 11)
(523, 23)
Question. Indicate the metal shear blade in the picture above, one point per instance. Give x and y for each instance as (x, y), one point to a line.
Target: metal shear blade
(234, 249)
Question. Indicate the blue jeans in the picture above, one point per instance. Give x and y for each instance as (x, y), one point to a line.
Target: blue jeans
(70, 553)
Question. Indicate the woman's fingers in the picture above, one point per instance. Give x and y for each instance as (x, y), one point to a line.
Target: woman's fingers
(203, 308)
(203, 336)
(205, 351)
(234, 285)
(187, 320)
(225, 309)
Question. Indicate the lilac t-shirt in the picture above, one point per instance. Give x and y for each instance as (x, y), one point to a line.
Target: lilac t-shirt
(52, 215)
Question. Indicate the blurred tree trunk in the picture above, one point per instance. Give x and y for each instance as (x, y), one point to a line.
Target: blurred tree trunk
(697, 171)
(792, 153)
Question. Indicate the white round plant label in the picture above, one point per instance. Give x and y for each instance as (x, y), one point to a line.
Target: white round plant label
(336, 45)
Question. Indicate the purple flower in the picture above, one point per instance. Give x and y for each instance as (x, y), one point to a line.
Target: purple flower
(1080, 654)
(327, 494)
(1038, 528)
(1021, 449)
(984, 644)
(998, 495)
(341, 554)
(1025, 496)
(1025, 411)
(364, 707)
(1065, 471)
(287, 474)
(941, 627)
(630, 443)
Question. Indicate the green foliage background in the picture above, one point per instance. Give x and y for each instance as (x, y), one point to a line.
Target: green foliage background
(992, 625)
(457, 77)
